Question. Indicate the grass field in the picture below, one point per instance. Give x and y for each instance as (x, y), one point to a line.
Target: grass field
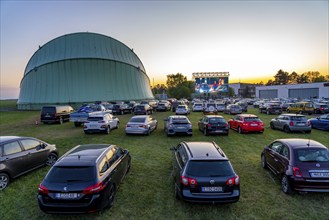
(147, 192)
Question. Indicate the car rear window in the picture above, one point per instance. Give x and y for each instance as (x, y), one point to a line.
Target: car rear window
(209, 168)
(312, 155)
(140, 107)
(180, 121)
(95, 118)
(139, 120)
(298, 118)
(51, 110)
(216, 120)
(71, 174)
(251, 119)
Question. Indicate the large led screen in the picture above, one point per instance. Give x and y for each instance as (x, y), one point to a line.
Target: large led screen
(210, 85)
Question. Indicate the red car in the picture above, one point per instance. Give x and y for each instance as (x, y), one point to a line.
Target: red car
(244, 123)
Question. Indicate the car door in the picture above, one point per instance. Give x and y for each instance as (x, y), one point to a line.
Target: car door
(36, 154)
(282, 162)
(14, 158)
(272, 156)
(278, 122)
(234, 122)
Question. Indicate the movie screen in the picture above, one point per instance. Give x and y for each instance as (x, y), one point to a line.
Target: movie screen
(210, 85)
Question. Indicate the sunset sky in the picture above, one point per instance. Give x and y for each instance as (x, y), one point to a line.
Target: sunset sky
(251, 40)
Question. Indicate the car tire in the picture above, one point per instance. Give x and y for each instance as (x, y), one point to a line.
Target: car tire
(111, 196)
(128, 167)
(272, 126)
(4, 181)
(285, 185)
(118, 124)
(263, 162)
(108, 130)
(148, 132)
(240, 130)
(286, 129)
(121, 112)
(61, 121)
(267, 112)
(77, 124)
(51, 159)
(205, 132)
(86, 132)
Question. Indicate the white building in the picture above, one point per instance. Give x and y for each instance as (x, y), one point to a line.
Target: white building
(301, 91)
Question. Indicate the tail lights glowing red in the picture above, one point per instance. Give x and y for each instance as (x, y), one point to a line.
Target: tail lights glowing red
(233, 181)
(42, 189)
(94, 188)
(297, 172)
(186, 181)
(291, 123)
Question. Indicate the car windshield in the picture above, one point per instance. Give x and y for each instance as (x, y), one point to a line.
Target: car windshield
(95, 118)
(216, 120)
(139, 120)
(251, 119)
(209, 168)
(71, 174)
(312, 155)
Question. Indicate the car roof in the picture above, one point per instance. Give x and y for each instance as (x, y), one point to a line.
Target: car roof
(248, 115)
(83, 155)
(204, 151)
(291, 115)
(140, 116)
(296, 143)
(213, 116)
(177, 116)
(8, 138)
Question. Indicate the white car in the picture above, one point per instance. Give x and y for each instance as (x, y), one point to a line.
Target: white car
(103, 122)
(197, 107)
(182, 110)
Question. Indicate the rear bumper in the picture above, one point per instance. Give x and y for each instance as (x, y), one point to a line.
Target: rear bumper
(177, 132)
(310, 185)
(208, 198)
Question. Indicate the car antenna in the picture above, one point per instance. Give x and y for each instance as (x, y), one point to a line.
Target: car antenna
(308, 144)
(79, 157)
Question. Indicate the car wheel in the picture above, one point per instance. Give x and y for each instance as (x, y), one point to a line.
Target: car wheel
(205, 132)
(121, 112)
(267, 112)
(107, 130)
(148, 132)
(285, 185)
(86, 132)
(77, 124)
(286, 129)
(272, 126)
(118, 124)
(4, 181)
(61, 121)
(128, 167)
(240, 130)
(51, 160)
(264, 165)
(111, 195)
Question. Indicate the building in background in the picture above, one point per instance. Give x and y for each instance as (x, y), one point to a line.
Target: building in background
(81, 68)
(244, 90)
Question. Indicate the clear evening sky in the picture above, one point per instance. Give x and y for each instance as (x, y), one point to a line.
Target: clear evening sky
(250, 39)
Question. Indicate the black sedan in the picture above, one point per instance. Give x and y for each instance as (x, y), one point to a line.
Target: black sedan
(19, 155)
(213, 124)
(84, 180)
(301, 164)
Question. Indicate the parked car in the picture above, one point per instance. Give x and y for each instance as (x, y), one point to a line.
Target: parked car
(103, 122)
(285, 105)
(203, 173)
(197, 107)
(20, 155)
(320, 108)
(321, 122)
(220, 107)
(270, 108)
(84, 180)
(245, 123)
(121, 109)
(301, 164)
(233, 109)
(213, 124)
(141, 125)
(79, 117)
(143, 109)
(243, 105)
(182, 110)
(177, 124)
(291, 122)
(163, 107)
(55, 113)
(301, 108)
(210, 108)
(175, 104)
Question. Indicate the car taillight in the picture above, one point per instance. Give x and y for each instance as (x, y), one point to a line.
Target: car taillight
(308, 123)
(104, 126)
(128, 126)
(321, 108)
(101, 121)
(226, 125)
(297, 172)
(94, 188)
(291, 123)
(245, 124)
(143, 126)
(233, 181)
(42, 189)
(186, 181)
(209, 125)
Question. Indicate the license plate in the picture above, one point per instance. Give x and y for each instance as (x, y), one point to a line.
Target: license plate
(212, 189)
(301, 124)
(93, 126)
(253, 125)
(66, 195)
(319, 174)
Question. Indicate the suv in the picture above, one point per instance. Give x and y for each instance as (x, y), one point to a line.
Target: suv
(54, 113)
(291, 122)
(84, 180)
(301, 108)
(103, 122)
(210, 108)
(19, 155)
(203, 173)
(143, 109)
(270, 108)
(121, 109)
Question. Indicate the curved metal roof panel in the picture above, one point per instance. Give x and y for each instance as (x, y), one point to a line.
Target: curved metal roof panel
(83, 45)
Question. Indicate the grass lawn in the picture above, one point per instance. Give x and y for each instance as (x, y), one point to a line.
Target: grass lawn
(147, 191)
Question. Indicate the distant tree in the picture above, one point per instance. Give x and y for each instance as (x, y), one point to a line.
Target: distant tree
(231, 92)
(321, 78)
(327, 78)
(312, 75)
(303, 78)
(174, 80)
(269, 83)
(293, 78)
(281, 78)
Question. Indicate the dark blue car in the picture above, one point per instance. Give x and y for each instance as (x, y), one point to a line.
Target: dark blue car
(321, 122)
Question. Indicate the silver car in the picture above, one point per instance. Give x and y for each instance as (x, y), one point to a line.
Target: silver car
(143, 124)
(102, 122)
(291, 122)
(177, 125)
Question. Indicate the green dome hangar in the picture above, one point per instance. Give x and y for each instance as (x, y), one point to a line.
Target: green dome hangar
(80, 68)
